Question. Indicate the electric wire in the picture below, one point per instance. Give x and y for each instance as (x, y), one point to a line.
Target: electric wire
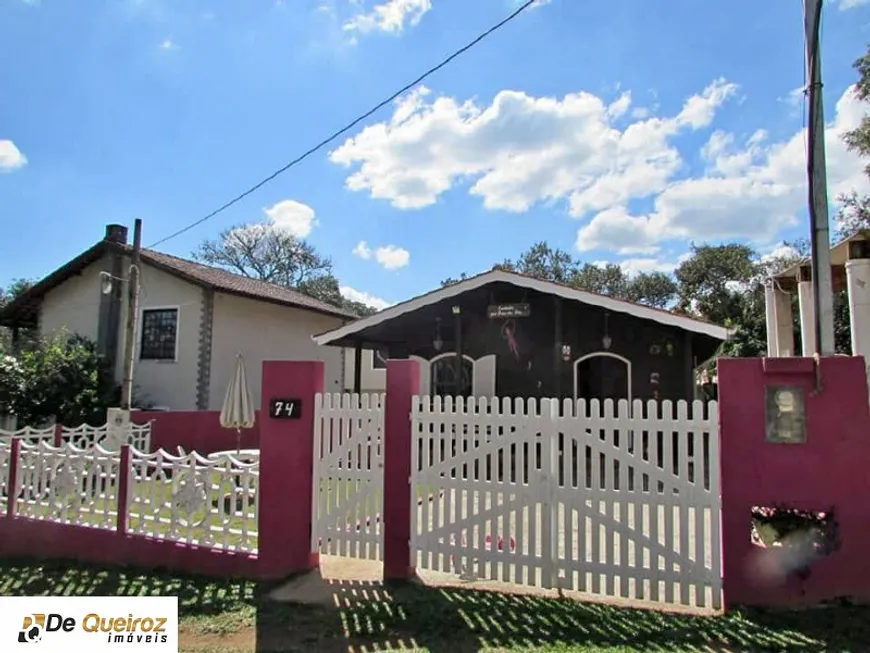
(349, 126)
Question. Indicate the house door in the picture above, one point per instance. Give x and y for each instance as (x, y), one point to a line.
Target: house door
(601, 376)
(444, 380)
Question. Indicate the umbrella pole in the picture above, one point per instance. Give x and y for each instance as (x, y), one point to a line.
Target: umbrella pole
(238, 441)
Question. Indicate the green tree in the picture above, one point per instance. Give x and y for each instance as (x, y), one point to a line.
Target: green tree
(556, 265)
(60, 378)
(854, 213)
(655, 289)
(8, 294)
(712, 281)
(262, 252)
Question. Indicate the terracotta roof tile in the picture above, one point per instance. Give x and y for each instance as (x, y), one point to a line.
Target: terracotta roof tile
(237, 284)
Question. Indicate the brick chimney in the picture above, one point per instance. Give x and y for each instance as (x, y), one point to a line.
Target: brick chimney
(116, 233)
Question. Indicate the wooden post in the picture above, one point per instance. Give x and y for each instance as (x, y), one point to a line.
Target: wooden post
(557, 347)
(689, 367)
(457, 313)
(125, 470)
(12, 479)
(357, 367)
(132, 317)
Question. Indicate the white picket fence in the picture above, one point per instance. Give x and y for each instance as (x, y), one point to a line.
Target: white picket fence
(137, 435)
(209, 502)
(348, 475)
(578, 496)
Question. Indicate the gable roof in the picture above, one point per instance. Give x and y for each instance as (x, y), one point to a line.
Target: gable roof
(531, 283)
(236, 284)
(25, 308)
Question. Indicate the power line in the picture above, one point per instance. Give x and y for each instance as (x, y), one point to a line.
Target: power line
(350, 125)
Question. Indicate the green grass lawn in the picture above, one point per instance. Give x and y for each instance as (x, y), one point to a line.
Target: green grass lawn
(236, 617)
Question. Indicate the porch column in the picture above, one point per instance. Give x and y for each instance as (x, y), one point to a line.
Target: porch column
(780, 328)
(557, 347)
(357, 367)
(858, 284)
(807, 312)
(770, 319)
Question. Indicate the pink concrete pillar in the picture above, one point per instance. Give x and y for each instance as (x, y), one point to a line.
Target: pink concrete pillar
(403, 382)
(287, 468)
(827, 470)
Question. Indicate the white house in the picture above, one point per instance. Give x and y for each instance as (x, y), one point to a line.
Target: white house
(193, 321)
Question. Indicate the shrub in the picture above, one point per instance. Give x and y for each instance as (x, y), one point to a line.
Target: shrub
(61, 378)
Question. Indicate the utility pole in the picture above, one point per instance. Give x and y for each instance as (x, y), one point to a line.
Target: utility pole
(820, 240)
(132, 317)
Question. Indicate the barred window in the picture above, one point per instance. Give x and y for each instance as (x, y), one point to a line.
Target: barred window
(159, 332)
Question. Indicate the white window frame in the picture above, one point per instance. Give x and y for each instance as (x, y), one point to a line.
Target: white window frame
(174, 307)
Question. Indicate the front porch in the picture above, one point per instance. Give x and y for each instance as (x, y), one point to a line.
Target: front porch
(503, 334)
(850, 271)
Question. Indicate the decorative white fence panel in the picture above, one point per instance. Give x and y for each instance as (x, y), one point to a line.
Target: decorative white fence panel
(29, 433)
(82, 437)
(138, 436)
(195, 500)
(348, 475)
(578, 496)
(68, 485)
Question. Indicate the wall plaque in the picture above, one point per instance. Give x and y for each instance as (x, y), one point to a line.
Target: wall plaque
(786, 414)
(280, 408)
(505, 311)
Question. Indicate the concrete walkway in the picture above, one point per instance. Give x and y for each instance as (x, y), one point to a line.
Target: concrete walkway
(338, 576)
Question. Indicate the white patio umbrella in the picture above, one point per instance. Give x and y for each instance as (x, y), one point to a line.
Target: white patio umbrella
(238, 409)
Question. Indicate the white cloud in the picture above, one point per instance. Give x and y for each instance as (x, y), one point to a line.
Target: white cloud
(168, 44)
(391, 16)
(851, 4)
(293, 217)
(634, 266)
(750, 191)
(362, 250)
(795, 97)
(390, 257)
(521, 150)
(364, 298)
(11, 158)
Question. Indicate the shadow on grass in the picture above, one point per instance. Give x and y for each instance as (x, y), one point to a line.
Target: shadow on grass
(371, 616)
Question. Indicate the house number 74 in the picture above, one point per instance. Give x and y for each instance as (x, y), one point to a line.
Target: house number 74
(285, 408)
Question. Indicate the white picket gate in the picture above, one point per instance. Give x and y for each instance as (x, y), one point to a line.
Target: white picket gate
(575, 496)
(348, 476)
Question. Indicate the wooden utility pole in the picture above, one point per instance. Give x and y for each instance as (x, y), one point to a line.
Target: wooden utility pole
(132, 317)
(820, 239)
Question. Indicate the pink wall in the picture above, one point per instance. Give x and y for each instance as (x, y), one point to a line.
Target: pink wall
(285, 490)
(829, 469)
(52, 541)
(194, 431)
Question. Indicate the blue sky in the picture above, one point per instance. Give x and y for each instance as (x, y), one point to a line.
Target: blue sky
(621, 130)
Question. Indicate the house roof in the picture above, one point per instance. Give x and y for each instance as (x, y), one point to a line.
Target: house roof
(335, 336)
(787, 279)
(23, 311)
